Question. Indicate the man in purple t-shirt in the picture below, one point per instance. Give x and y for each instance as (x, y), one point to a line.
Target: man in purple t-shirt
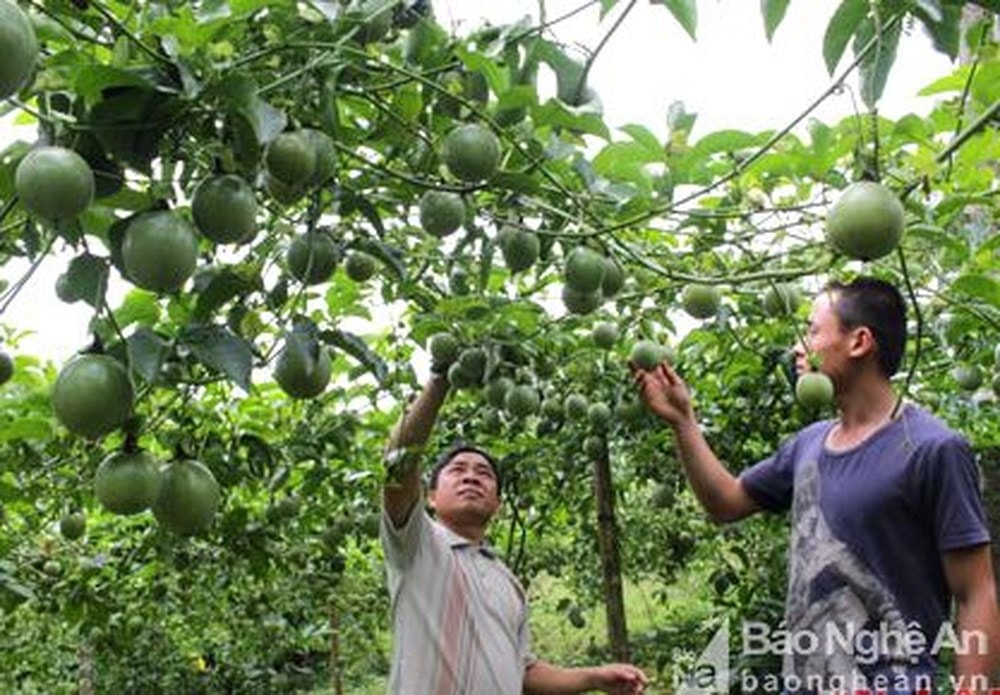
(886, 513)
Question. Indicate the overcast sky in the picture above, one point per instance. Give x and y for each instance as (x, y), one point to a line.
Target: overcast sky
(731, 76)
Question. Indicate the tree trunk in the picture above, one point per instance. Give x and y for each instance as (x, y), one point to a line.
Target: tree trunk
(607, 535)
(336, 675)
(85, 670)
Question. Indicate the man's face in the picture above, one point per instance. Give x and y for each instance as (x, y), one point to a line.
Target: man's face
(466, 490)
(826, 338)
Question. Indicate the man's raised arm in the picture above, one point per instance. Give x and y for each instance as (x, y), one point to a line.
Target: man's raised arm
(402, 488)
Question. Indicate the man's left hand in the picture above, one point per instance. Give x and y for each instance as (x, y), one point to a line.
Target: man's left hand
(621, 679)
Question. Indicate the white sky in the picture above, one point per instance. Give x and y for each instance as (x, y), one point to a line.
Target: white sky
(732, 77)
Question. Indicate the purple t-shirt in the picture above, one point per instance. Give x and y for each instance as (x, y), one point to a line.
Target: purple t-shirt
(869, 525)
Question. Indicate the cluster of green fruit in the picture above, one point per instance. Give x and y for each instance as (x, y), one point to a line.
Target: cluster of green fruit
(159, 248)
(92, 396)
(296, 162)
(183, 495)
(589, 278)
(519, 396)
(312, 257)
(703, 301)
(471, 153)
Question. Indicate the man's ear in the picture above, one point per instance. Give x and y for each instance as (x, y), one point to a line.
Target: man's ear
(431, 497)
(862, 342)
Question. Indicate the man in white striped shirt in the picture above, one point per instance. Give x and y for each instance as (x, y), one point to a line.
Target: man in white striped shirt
(460, 617)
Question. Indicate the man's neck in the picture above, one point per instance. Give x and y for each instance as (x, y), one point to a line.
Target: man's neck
(864, 409)
(865, 406)
(474, 533)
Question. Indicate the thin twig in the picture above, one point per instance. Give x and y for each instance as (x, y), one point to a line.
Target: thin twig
(603, 42)
(420, 183)
(72, 31)
(920, 328)
(543, 25)
(104, 303)
(957, 142)
(966, 90)
(973, 128)
(121, 28)
(15, 289)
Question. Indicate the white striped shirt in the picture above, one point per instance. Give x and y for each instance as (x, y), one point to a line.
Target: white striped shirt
(460, 616)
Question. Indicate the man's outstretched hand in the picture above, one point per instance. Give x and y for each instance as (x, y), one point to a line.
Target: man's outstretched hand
(664, 393)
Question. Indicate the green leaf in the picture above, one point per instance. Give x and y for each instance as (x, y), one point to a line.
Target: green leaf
(624, 161)
(139, 306)
(351, 201)
(876, 66)
(986, 86)
(146, 352)
(979, 287)
(938, 238)
(912, 128)
(470, 308)
(581, 119)
(26, 428)
(515, 181)
(128, 200)
(524, 316)
(957, 203)
(569, 72)
(821, 135)
(841, 28)
(239, 93)
(87, 278)
(989, 249)
(773, 12)
(645, 137)
(359, 350)
(224, 286)
(16, 588)
(222, 351)
(90, 81)
(678, 118)
(130, 122)
(518, 96)
(727, 141)
(496, 77)
(686, 13)
(342, 298)
(931, 8)
(954, 82)
(390, 256)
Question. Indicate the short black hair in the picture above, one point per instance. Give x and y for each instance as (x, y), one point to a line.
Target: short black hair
(454, 450)
(878, 306)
